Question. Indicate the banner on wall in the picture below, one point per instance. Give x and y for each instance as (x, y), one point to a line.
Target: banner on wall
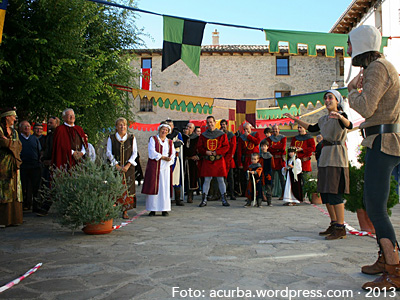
(184, 103)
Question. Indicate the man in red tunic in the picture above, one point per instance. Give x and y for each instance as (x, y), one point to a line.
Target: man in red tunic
(277, 147)
(212, 146)
(230, 163)
(305, 146)
(248, 144)
(69, 142)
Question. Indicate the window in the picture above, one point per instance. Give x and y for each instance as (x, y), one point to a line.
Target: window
(146, 104)
(282, 66)
(146, 63)
(279, 94)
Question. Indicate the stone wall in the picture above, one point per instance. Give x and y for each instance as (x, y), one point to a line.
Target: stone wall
(233, 75)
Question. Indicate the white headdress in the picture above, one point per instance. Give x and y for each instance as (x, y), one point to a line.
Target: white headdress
(164, 125)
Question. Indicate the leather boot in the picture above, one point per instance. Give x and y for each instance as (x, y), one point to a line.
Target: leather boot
(387, 281)
(376, 268)
(190, 197)
(178, 200)
(203, 200)
(329, 230)
(339, 232)
(224, 201)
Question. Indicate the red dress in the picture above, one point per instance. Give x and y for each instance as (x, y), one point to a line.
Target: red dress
(277, 147)
(307, 143)
(247, 146)
(216, 141)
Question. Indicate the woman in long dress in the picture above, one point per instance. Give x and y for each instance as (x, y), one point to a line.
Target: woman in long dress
(122, 152)
(10, 161)
(293, 193)
(157, 180)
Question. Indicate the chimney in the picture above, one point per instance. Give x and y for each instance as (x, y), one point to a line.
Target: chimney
(215, 38)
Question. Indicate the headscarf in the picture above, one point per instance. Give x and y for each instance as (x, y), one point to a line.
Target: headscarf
(365, 38)
(343, 103)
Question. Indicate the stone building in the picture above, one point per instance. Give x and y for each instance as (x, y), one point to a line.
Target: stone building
(234, 72)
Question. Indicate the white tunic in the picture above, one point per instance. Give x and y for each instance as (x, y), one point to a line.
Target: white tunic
(288, 194)
(161, 201)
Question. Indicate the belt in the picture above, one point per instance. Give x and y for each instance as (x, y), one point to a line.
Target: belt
(326, 143)
(305, 158)
(379, 129)
(213, 157)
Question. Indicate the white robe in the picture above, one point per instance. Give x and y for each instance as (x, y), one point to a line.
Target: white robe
(161, 201)
(288, 194)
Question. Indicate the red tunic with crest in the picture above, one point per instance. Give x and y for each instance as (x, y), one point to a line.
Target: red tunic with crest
(216, 141)
(247, 146)
(277, 147)
(307, 143)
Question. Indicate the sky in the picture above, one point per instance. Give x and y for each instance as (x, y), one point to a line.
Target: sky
(305, 15)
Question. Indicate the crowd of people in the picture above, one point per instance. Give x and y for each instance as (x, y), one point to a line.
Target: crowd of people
(220, 164)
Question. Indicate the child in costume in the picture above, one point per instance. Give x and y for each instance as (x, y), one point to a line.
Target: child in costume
(267, 163)
(254, 185)
(293, 193)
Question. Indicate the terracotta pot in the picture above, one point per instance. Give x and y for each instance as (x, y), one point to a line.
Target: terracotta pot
(315, 199)
(364, 221)
(100, 228)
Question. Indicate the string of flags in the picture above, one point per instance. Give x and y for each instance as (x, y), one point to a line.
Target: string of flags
(183, 37)
(245, 108)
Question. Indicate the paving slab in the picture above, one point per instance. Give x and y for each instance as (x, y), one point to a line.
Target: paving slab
(211, 249)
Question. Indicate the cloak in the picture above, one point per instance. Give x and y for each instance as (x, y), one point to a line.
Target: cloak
(62, 150)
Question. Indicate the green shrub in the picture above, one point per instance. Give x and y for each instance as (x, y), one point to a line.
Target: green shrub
(310, 184)
(85, 194)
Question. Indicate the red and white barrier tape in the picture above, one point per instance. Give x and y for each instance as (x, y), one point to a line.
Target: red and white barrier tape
(350, 229)
(19, 279)
(129, 221)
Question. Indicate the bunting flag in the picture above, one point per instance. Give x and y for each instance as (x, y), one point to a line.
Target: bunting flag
(246, 111)
(268, 123)
(274, 113)
(143, 127)
(3, 8)
(182, 40)
(305, 99)
(311, 39)
(184, 103)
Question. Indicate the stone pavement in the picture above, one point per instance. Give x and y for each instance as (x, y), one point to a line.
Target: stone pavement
(231, 251)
